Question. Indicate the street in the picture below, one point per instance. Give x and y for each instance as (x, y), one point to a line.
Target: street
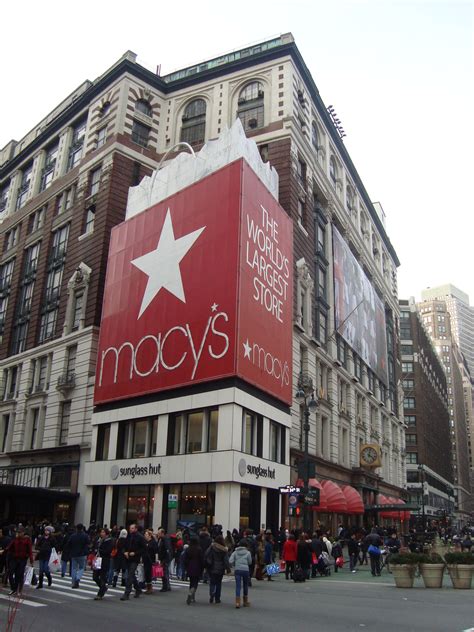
(344, 602)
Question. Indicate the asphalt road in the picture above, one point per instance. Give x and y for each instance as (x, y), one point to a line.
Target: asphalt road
(342, 603)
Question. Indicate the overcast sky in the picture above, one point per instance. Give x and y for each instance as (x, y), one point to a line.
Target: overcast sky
(400, 75)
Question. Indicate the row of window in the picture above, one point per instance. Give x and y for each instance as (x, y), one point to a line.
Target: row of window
(189, 433)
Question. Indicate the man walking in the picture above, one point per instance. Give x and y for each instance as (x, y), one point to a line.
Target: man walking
(19, 551)
(132, 551)
(78, 548)
(164, 555)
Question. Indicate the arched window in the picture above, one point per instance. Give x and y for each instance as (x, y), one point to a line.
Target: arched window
(315, 136)
(350, 202)
(250, 106)
(333, 170)
(144, 107)
(193, 129)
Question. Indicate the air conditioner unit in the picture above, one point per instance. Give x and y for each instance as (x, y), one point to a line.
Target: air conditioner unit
(253, 123)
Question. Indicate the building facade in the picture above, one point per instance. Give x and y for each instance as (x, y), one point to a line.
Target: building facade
(63, 188)
(429, 468)
(437, 321)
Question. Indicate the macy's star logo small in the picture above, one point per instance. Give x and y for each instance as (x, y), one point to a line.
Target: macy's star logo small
(247, 349)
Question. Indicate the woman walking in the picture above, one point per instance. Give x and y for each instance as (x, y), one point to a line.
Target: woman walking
(149, 556)
(241, 560)
(268, 553)
(289, 555)
(217, 562)
(194, 565)
(44, 545)
(120, 562)
(105, 544)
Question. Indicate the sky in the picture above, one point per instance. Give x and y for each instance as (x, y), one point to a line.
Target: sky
(399, 74)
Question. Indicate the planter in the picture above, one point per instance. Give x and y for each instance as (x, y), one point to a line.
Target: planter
(432, 575)
(461, 575)
(404, 575)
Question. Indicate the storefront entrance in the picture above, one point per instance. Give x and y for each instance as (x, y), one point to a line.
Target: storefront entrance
(133, 504)
(250, 507)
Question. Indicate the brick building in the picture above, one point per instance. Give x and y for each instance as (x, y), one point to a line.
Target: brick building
(65, 185)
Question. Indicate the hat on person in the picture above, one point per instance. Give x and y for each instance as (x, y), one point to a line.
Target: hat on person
(49, 528)
(123, 533)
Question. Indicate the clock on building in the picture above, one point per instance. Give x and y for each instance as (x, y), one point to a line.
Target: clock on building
(370, 455)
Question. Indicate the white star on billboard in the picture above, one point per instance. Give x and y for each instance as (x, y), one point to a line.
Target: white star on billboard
(162, 264)
(247, 349)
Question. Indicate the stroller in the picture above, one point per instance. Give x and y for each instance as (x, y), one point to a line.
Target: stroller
(323, 566)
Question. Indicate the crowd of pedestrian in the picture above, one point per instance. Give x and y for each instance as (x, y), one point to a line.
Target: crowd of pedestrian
(136, 556)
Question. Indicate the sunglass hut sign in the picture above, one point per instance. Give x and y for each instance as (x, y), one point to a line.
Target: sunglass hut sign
(199, 287)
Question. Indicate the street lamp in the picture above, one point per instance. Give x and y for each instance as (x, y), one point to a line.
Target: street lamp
(421, 469)
(305, 398)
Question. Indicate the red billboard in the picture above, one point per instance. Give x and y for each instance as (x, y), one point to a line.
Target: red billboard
(199, 287)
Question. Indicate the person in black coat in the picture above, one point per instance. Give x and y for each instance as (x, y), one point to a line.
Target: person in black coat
(165, 556)
(205, 542)
(316, 550)
(104, 547)
(353, 550)
(303, 555)
(194, 565)
(78, 548)
(373, 542)
(5, 540)
(149, 557)
(119, 561)
(44, 545)
(217, 563)
(133, 551)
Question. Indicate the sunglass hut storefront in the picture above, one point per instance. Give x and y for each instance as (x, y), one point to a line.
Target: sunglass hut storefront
(193, 385)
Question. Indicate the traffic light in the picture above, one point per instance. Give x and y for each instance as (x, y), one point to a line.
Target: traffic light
(294, 512)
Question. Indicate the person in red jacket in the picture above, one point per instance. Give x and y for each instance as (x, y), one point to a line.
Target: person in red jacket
(19, 551)
(289, 555)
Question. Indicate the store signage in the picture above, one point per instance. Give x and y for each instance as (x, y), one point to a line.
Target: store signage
(256, 470)
(289, 489)
(200, 287)
(134, 470)
(172, 501)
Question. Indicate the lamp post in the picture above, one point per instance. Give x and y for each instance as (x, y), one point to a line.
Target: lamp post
(421, 469)
(305, 398)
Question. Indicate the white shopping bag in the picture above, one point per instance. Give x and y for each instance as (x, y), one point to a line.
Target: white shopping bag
(28, 575)
(97, 563)
(54, 561)
(140, 573)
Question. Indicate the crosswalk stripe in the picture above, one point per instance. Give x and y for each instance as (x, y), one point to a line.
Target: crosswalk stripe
(25, 602)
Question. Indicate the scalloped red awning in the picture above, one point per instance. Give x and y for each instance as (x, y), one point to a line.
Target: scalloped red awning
(383, 500)
(354, 500)
(336, 500)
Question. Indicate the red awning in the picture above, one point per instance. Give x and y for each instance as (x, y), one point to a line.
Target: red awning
(394, 515)
(336, 500)
(383, 500)
(403, 515)
(354, 500)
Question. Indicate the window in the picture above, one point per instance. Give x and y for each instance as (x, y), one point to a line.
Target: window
(277, 442)
(105, 109)
(78, 303)
(408, 384)
(37, 219)
(49, 166)
(42, 368)
(47, 326)
(409, 402)
(193, 127)
(53, 284)
(5, 425)
(333, 170)
(95, 180)
(11, 238)
(350, 203)
(406, 349)
(315, 136)
(101, 137)
(66, 199)
(250, 106)
(412, 458)
(64, 423)
(90, 219)
(252, 433)
(24, 186)
(301, 212)
(407, 367)
(71, 356)
(103, 440)
(410, 439)
(140, 133)
(135, 438)
(34, 427)
(20, 332)
(77, 144)
(4, 193)
(144, 107)
(301, 171)
(321, 282)
(321, 326)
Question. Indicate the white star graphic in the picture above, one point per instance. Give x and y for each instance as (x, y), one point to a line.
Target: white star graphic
(214, 307)
(247, 349)
(162, 264)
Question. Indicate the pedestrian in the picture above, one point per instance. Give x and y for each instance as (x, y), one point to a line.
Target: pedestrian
(5, 540)
(104, 549)
(19, 552)
(149, 557)
(229, 541)
(282, 537)
(205, 542)
(194, 565)
(120, 562)
(336, 552)
(353, 551)
(259, 557)
(268, 553)
(133, 550)
(374, 542)
(241, 559)
(393, 546)
(217, 563)
(303, 555)
(289, 555)
(164, 555)
(466, 543)
(78, 547)
(44, 545)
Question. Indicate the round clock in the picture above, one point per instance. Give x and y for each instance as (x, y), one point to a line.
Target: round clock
(369, 455)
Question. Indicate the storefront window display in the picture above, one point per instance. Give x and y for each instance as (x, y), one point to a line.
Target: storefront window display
(196, 505)
(133, 504)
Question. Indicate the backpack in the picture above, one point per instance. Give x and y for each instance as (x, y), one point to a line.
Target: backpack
(299, 575)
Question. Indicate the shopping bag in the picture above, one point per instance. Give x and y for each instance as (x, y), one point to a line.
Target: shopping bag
(97, 563)
(140, 573)
(339, 561)
(54, 560)
(28, 576)
(373, 550)
(157, 570)
(272, 569)
(282, 565)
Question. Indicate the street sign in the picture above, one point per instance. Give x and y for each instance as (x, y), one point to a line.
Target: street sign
(311, 497)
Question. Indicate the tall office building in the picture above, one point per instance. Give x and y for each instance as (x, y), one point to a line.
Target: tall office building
(64, 186)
